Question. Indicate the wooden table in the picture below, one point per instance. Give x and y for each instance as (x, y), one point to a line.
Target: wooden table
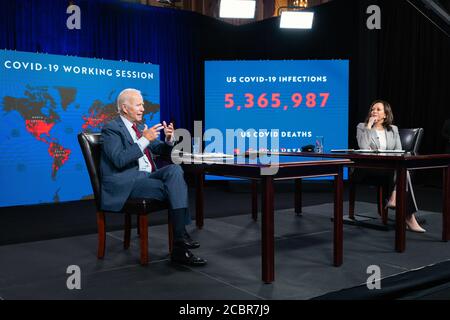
(286, 168)
(399, 162)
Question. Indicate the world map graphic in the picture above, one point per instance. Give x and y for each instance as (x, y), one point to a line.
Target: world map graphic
(43, 108)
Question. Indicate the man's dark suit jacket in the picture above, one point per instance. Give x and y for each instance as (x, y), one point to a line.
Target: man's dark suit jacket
(119, 163)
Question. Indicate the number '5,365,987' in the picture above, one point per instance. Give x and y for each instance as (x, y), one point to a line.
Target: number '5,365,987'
(275, 101)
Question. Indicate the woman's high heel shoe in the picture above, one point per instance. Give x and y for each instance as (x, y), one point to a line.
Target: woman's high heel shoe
(420, 230)
(390, 205)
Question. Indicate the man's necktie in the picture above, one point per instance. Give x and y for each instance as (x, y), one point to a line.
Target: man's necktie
(146, 151)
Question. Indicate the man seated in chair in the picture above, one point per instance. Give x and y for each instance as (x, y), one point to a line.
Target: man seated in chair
(128, 170)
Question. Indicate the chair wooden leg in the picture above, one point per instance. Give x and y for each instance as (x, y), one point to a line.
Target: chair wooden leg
(143, 238)
(101, 234)
(170, 226)
(384, 216)
(351, 200)
(127, 231)
(384, 209)
(380, 200)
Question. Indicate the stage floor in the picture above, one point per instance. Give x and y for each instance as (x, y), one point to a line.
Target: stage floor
(303, 260)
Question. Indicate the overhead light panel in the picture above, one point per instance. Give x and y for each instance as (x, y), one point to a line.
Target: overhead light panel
(237, 9)
(296, 19)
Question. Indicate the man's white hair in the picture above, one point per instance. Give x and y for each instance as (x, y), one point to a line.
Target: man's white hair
(124, 97)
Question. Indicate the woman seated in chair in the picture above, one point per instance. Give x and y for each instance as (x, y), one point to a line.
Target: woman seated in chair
(378, 133)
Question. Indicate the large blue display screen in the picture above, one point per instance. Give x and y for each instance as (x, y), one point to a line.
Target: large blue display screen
(295, 101)
(45, 101)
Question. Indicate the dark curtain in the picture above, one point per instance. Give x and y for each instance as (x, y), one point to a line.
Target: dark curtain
(413, 71)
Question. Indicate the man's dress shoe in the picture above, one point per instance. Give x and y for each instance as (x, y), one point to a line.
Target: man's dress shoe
(189, 243)
(186, 257)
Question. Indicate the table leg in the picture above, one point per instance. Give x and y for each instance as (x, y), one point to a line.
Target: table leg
(400, 214)
(298, 196)
(199, 204)
(255, 200)
(267, 231)
(351, 199)
(338, 219)
(446, 205)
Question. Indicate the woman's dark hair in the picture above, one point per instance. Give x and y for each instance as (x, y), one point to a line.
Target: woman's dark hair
(387, 111)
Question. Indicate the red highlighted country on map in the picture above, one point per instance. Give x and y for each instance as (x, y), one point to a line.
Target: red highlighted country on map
(38, 127)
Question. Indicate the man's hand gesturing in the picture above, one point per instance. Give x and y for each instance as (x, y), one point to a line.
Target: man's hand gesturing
(168, 130)
(152, 133)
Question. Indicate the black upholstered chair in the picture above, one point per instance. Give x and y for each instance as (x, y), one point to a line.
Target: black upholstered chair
(411, 140)
(90, 144)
